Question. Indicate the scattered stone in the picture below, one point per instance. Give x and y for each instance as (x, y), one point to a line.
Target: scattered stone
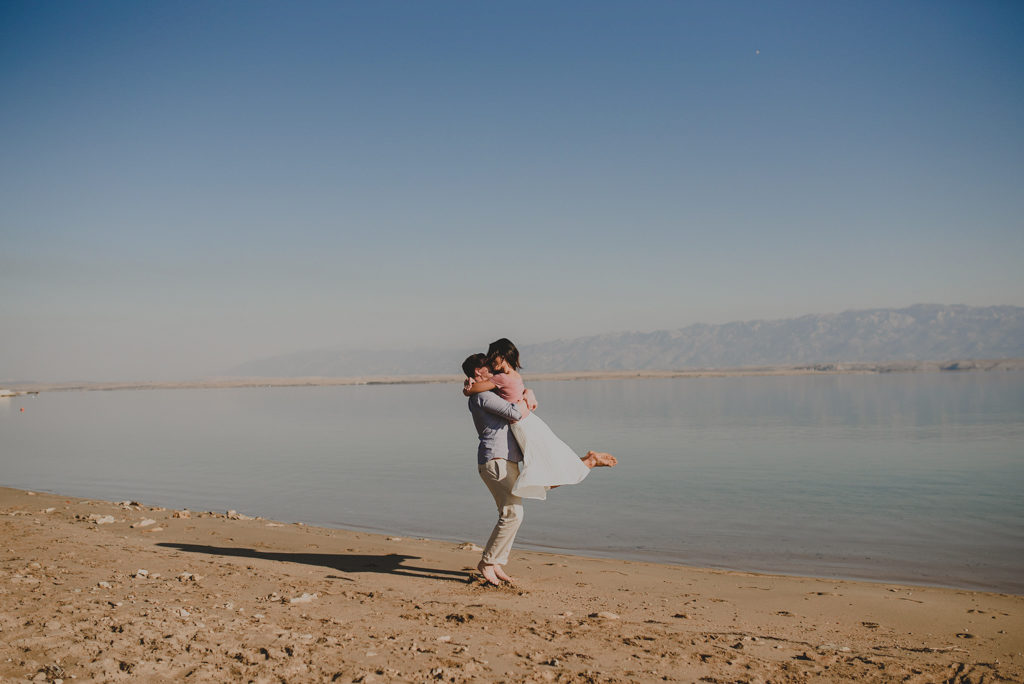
(235, 515)
(31, 493)
(183, 613)
(274, 525)
(305, 598)
(393, 539)
(470, 546)
(444, 638)
(181, 514)
(49, 510)
(103, 585)
(144, 523)
(189, 577)
(101, 519)
(604, 615)
(141, 573)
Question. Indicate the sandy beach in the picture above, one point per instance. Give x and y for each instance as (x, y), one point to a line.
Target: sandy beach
(95, 590)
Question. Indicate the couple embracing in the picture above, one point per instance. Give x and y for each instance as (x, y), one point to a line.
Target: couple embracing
(518, 456)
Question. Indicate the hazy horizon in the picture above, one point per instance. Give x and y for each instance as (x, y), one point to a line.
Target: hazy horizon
(189, 186)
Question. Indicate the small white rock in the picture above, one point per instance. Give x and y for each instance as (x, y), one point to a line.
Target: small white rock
(141, 573)
(305, 598)
(145, 523)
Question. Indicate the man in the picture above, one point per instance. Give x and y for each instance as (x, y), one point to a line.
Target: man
(498, 457)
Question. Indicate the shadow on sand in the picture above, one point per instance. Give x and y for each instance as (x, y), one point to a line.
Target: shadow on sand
(391, 563)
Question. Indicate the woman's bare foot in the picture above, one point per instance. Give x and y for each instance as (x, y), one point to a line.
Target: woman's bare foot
(500, 572)
(595, 459)
(489, 573)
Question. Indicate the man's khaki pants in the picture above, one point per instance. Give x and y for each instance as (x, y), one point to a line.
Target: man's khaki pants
(500, 476)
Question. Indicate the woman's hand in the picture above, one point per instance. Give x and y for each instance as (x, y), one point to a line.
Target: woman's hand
(531, 399)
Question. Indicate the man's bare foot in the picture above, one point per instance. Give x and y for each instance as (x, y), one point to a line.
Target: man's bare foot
(489, 573)
(502, 575)
(595, 459)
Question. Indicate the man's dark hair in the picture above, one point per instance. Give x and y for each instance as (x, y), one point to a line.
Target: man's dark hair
(472, 362)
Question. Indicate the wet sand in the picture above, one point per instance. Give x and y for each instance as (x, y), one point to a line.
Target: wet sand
(93, 590)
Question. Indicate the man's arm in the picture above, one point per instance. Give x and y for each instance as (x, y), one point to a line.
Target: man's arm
(493, 404)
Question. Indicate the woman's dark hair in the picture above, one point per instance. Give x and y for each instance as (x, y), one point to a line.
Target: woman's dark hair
(472, 362)
(506, 350)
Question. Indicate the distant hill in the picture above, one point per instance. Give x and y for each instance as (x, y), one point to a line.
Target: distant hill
(917, 333)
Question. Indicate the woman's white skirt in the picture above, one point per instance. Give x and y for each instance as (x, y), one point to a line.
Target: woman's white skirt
(547, 460)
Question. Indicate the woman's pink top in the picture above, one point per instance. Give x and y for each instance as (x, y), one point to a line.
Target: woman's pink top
(510, 387)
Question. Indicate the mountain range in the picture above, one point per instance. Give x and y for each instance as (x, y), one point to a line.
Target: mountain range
(921, 332)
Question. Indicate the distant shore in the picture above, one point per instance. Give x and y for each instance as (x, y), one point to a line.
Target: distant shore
(104, 591)
(853, 368)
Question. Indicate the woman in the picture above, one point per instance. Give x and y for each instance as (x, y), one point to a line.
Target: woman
(547, 461)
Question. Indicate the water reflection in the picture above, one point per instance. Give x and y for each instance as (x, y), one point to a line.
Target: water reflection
(903, 477)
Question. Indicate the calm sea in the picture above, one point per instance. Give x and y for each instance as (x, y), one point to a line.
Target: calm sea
(905, 477)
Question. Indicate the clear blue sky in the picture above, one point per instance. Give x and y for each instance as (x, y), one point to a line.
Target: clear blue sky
(188, 185)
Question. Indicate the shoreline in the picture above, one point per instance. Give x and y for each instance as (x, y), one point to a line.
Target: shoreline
(118, 591)
(853, 368)
(667, 559)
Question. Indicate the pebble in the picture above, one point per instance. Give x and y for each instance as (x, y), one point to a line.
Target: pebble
(393, 539)
(104, 585)
(305, 598)
(141, 573)
(49, 510)
(101, 519)
(145, 523)
(604, 615)
(183, 613)
(470, 546)
(181, 514)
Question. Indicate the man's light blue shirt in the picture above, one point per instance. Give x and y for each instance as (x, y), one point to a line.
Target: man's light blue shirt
(491, 415)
